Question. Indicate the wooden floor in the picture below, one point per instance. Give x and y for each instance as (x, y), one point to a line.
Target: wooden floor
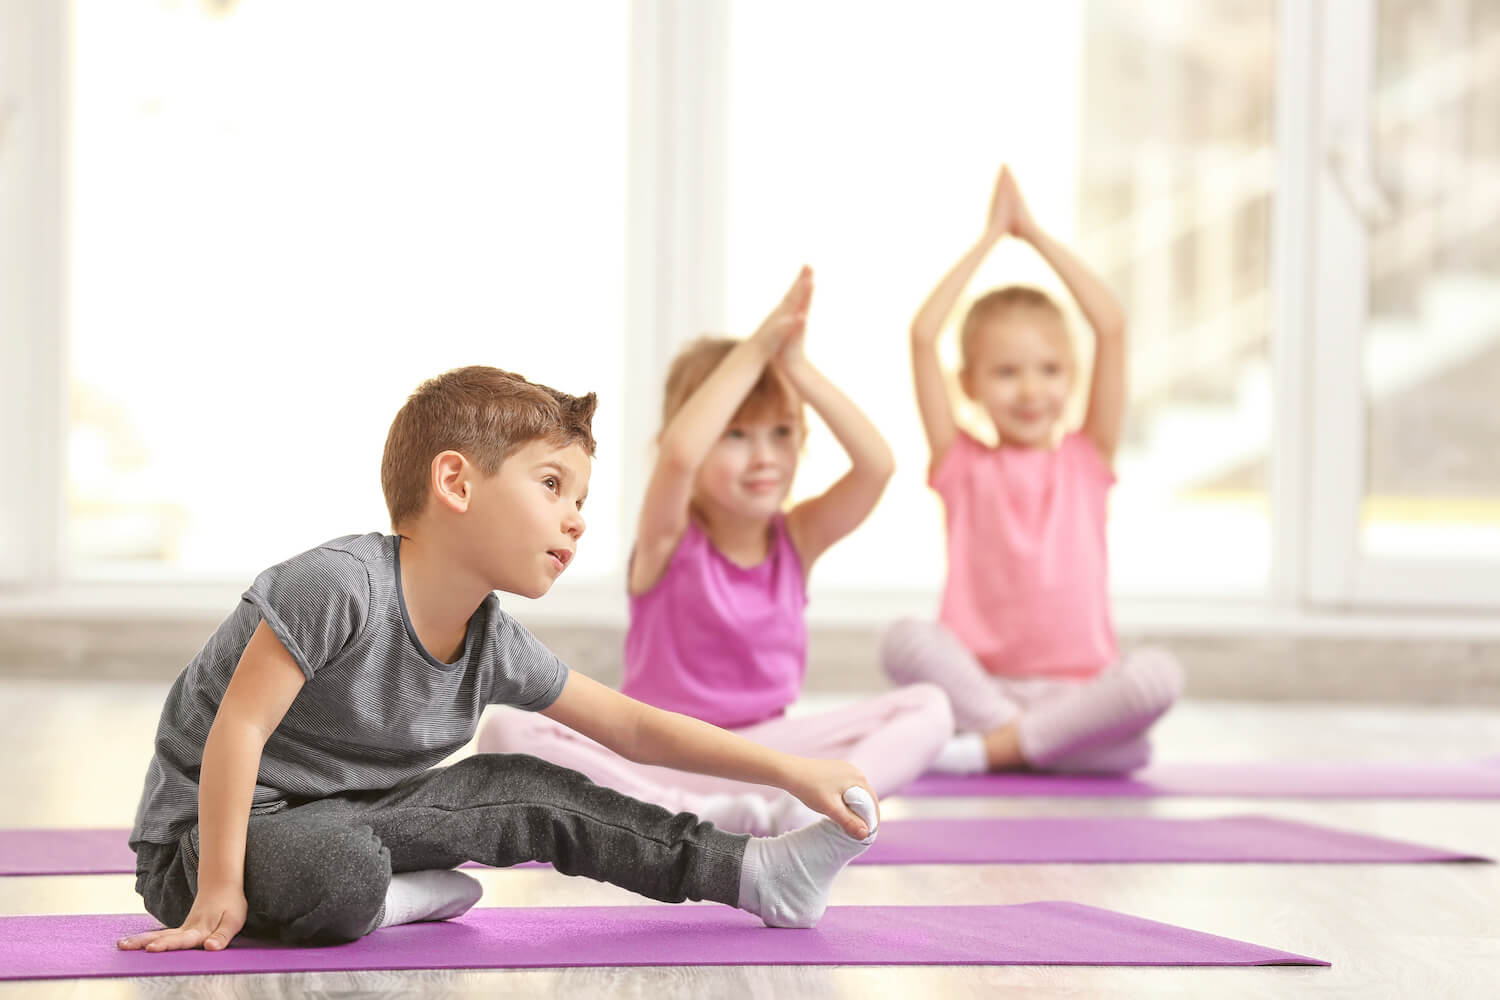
(74, 755)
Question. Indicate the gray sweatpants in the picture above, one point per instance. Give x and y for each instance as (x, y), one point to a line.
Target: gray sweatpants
(317, 873)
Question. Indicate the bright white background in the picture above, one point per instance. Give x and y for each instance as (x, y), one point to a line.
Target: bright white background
(241, 232)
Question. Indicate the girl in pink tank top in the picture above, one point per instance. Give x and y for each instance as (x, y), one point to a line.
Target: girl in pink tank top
(718, 582)
(1025, 643)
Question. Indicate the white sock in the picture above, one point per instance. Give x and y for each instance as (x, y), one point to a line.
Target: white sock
(785, 880)
(962, 754)
(438, 894)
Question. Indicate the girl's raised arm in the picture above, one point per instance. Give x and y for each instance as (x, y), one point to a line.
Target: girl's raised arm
(933, 401)
(692, 431)
(1107, 389)
(817, 523)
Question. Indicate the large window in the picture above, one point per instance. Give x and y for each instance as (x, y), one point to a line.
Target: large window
(1432, 341)
(256, 226)
(285, 215)
(1140, 134)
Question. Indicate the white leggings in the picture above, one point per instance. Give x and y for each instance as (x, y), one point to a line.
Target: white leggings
(891, 737)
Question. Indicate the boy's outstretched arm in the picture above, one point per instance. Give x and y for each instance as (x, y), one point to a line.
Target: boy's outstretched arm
(649, 735)
(817, 523)
(686, 440)
(933, 401)
(1107, 391)
(265, 682)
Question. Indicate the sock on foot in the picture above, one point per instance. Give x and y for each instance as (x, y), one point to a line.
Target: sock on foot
(438, 894)
(785, 880)
(962, 754)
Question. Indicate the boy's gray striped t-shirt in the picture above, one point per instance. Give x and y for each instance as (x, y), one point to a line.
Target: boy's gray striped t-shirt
(376, 707)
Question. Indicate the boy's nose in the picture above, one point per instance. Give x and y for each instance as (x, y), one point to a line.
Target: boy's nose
(574, 525)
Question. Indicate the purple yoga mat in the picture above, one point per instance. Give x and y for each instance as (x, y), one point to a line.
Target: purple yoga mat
(65, 852)
(72, 947)
(1265, 779)
(988, 840)
(1134, 839)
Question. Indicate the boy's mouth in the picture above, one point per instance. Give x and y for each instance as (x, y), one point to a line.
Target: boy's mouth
(562, 557)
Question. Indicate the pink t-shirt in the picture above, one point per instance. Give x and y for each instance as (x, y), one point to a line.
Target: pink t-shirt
(1028, 571)
(723, 643)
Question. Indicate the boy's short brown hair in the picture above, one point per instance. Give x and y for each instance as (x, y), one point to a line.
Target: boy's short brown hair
(692, 366)
(483, 413)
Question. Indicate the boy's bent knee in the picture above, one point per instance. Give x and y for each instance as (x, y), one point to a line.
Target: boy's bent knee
(331, 895)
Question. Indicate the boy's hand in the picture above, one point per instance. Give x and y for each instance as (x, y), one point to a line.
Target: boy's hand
(789, 319)
(214, 920)
(820, 785)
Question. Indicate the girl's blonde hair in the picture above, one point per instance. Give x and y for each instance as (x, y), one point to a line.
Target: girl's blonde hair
(1010, 299)
(692, 366)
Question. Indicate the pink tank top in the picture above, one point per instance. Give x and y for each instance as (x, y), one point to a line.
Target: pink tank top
(723, 643)
(1028, 571)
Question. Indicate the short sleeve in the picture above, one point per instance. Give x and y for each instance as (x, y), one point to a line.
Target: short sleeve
(958, 459)
(1084, 453)
(315, 603)
(528, 675)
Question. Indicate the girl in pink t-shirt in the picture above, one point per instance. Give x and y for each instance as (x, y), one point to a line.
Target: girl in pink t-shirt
(1025, 645)
(718, 579)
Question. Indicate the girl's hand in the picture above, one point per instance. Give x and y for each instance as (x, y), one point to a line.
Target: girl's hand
(820, 785)
(1002, 206)
(1022, 225)
(788, 320)
(791, 353)
(214, 920)
(1009, 215)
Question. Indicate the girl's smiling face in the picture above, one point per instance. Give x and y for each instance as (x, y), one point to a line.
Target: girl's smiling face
(1021, 373)
(749, 470)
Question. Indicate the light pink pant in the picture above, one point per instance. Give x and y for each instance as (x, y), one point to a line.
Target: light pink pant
(891, 737)
(1097, 725)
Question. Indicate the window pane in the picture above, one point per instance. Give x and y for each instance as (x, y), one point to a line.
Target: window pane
(1432, 345)
(288, 214)
(1141, 134)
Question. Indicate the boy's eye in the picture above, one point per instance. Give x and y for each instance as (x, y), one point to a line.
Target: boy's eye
(551, 483)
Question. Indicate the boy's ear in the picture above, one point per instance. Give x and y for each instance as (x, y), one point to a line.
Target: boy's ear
(450, 480)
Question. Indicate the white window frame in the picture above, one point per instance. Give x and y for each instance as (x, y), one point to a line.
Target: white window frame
(34, 75)
(1340, 573)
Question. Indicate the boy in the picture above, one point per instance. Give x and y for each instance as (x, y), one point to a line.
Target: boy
(292, 793)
